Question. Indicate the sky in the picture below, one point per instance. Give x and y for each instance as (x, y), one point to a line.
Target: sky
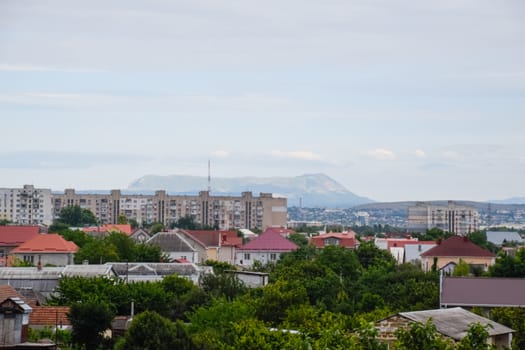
(394, 99)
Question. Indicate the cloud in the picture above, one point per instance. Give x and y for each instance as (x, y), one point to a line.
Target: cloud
(382, 154)
(220, 153)
(420, 154)
(303, 155)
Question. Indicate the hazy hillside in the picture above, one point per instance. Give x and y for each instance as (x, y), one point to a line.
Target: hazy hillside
(310, 190)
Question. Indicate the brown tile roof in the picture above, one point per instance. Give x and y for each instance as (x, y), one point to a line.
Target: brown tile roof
(6, 291)
(47, 243)
(346, 239)
(457, 246)
(124, 228)
(49, 316)
(483, 292)
(15, 235)
(214, 238)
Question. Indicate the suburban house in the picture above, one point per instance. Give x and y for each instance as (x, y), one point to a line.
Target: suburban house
(12, 236)
(220, 245)
(452, 250)
(139, 235)
(482, 292)
(404, 250)
(501, 237)
(46, 249)
(345, 239)
(451, 323)
(267, 247)
(283, 231)
(177, 245)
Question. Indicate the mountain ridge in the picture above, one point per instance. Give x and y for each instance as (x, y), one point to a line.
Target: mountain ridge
(308, 190)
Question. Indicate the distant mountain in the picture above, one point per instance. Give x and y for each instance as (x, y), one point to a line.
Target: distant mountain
(310, 190)
(513, 200)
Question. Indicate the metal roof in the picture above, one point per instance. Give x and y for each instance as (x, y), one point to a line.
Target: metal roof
(483, 291)
(455, 322)
(499, 237)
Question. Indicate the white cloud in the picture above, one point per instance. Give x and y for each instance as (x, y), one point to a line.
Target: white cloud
(451, 155)
(304, 155)
(7, 67)
(420, 154)
(382, 153)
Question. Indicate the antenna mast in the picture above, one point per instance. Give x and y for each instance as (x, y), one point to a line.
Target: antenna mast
(209, 177)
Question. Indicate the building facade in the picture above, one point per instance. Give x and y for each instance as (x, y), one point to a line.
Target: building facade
(459, 219)
(223, 212)
(26, 206)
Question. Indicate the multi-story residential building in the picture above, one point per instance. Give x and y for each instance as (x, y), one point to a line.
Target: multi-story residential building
(26, 206)
(224, 212)
(459, 219)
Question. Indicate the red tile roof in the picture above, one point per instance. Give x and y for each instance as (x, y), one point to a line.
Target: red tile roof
(47, 243)
(49, 316)
(124, 228)
(269, 240)
(214, 238)
(12, 236)
(6, 291)
(346, 239)
(457, 246)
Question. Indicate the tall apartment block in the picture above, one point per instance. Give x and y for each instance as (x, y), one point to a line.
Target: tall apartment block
(26, 206)
(458, 219)
(224, 212)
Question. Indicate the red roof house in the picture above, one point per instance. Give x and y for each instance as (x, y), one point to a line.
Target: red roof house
(49, 316)
(47, 249)
(220, 245)
(12, 236)
(343, 239)
(285, 232)
(267, 247)
(106, 228)
(452, 250)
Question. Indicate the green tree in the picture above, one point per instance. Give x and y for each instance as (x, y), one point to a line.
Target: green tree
(97, 251)
(89, 319)
(461, 269)
(420, 336)
(223, 285)
(298, 239)
(512, 317)
(76, 216)
(151, 331)
(156, 227)
(122, 219)
(509, 266)
(476, 338)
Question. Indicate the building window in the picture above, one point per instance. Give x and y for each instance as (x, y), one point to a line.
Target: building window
(183, 257)
(29, 258)
(331, 241)
(246, 256)
(273, 256)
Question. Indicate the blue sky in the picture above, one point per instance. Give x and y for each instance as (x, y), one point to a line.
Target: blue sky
(396, 100)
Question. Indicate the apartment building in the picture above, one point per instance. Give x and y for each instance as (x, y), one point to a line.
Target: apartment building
(459, 219)
(26, 206)
(224, 212)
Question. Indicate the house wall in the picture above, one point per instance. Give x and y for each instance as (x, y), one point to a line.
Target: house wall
(55, 259)
(192, 257)
(263, 257)
(428, 261)
(227, 254)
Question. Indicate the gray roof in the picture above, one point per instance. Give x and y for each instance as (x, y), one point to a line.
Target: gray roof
(87, 270)
(11, 273)
(498, 237)
(171, 242)
(157, 269)
(455, 322)
(483, 291)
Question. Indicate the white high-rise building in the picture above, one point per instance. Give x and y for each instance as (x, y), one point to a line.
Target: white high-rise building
(26, 206)
(459, 219)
